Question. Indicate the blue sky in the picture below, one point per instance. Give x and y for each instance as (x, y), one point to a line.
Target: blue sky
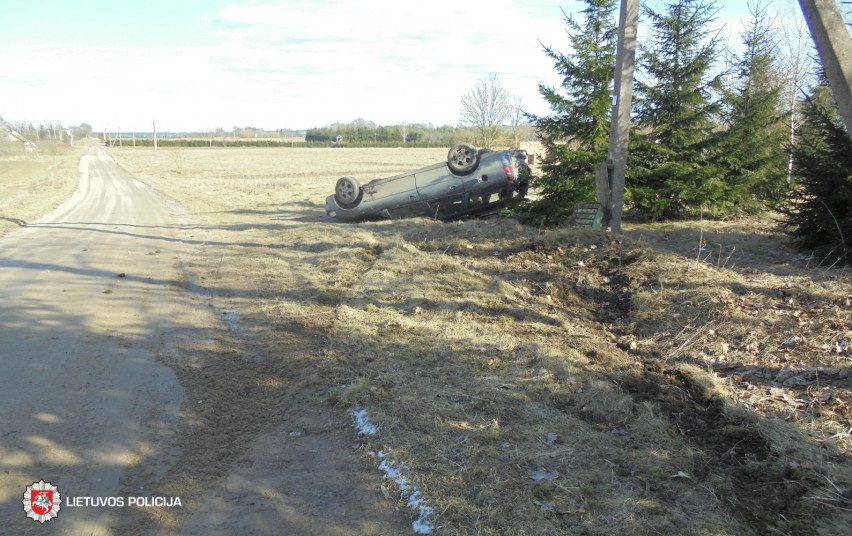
(198, 65)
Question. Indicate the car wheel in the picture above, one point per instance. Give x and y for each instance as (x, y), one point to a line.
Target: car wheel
(348, 192)
(462, 159)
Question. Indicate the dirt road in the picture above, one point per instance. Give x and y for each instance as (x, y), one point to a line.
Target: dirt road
(104, 389)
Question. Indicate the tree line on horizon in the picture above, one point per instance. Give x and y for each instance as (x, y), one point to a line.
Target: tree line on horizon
(47, 131)
(361, 131)
(367, 133)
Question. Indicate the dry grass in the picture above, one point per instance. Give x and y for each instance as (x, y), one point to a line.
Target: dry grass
(255, 178)
(33, 184)
(758, 313)
(485, 350)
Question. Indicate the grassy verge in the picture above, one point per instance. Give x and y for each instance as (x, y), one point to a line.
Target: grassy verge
(565, 382)
(33, 184)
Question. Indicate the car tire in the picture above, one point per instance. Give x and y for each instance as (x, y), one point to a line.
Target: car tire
(462, 159)
(348, 192)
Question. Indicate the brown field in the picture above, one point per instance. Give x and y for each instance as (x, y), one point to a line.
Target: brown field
(127, 139)
(675, 380)
(33, 184)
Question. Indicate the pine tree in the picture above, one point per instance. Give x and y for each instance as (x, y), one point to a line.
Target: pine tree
(752, 151)
(576, 134)
(668, 168)
(819, 211)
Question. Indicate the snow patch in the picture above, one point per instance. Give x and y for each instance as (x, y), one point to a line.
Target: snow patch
(410, 492)
(543, 474)
(232, 319)
(362, 422)
(395, 471)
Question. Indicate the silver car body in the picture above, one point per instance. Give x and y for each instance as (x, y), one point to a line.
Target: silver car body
(435, 191)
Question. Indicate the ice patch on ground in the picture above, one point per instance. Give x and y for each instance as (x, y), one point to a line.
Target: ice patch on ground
(543, 474)
(409, 492)
(394, 471)
(232, 319)
(362, 422)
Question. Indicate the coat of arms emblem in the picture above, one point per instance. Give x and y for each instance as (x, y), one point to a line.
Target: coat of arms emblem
(42, 501)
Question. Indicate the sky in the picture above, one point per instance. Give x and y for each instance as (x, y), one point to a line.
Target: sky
(195, 65)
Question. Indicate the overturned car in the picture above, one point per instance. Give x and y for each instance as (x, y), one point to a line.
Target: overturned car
(470, 182)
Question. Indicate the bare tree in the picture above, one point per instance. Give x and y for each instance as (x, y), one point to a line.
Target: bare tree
(486, 107)
(797, 66)
(516, 121)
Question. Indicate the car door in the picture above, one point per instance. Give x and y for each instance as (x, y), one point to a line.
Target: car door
(442, 192)
(402, 200)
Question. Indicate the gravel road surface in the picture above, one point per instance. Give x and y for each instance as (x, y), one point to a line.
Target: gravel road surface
(92, 297)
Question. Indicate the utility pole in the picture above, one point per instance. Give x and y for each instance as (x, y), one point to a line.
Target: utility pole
(609, 175)
(154, 124)
(835, 50)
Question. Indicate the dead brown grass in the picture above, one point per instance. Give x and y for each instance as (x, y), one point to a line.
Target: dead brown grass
(33, 184)
(486, 351)
(765, 318)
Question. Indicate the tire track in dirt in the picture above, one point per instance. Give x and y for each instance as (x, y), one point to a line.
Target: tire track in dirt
(761, 486)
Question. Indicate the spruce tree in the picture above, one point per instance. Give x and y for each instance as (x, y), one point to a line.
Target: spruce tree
(668, 169)
(819, 211)
(576, 134)
(752, 151)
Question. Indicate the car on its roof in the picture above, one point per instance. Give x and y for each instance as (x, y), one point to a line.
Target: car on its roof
(470, 182)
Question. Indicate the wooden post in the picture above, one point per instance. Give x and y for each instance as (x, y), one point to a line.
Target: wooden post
(119, 137)
(603, 172)
(134, 139)
(620, 125)
(154, 124)
(835, 50)
(620, 128)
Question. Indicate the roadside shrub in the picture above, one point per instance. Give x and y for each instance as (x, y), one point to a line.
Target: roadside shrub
(818, 212)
